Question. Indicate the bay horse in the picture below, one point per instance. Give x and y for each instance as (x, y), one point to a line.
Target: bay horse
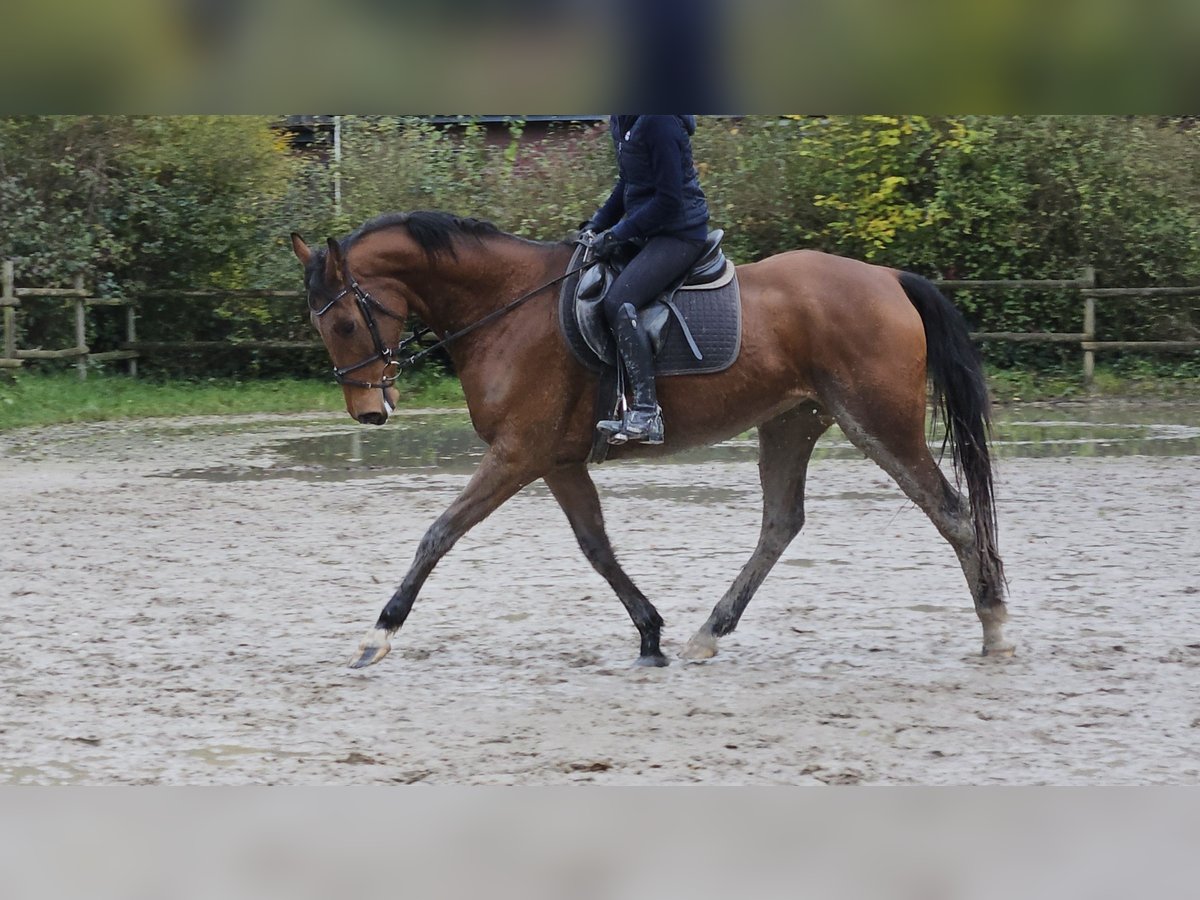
(824, 339)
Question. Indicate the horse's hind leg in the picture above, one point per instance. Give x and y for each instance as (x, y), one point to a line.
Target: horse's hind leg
(892, 434)
(575, 492)
(785, 446)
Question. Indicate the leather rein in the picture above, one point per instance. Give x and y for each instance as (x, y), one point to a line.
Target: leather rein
(394, 357)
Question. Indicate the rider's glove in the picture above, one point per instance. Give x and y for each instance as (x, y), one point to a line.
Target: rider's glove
(605, 245)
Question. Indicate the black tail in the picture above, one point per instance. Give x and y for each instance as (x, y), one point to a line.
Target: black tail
(960, 399)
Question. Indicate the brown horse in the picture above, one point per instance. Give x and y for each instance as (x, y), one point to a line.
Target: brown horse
(824, 339)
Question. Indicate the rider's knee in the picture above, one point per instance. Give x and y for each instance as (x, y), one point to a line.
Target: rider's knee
(620, 310)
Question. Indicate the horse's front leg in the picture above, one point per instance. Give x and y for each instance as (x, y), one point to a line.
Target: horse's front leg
(498, 477)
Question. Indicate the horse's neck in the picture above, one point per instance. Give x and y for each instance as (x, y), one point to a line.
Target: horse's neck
(456, 293)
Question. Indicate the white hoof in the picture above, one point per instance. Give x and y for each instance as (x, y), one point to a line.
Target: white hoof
(702, 646)
(995, 641)
(374, 647)
(1000, 651)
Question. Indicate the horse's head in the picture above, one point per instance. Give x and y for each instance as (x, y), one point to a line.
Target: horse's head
(361, 330)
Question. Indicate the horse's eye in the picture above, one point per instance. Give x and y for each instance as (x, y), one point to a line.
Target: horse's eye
(345, 328)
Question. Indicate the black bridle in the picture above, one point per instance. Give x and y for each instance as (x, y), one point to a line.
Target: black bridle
(383, 353)
(394, 357)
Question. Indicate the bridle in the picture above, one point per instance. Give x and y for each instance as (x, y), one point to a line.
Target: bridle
(383, 353)
(394, 357)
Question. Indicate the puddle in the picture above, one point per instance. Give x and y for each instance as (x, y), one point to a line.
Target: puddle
(233, 754)
(51, 773)
(1017, 436)
(440, 443)
(446, 444)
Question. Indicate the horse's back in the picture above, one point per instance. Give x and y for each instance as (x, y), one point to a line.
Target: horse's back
(827, 284)
(837, 318)
(837, 301)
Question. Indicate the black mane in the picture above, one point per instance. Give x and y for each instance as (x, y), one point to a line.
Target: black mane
(434, 231)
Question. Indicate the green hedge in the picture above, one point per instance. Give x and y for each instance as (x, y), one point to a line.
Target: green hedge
(191, 202)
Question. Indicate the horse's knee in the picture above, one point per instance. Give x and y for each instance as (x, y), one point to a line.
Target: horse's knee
(779, 531)
(435, 544)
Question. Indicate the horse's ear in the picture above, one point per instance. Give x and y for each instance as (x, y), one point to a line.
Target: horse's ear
(301, 249)
(334, 267)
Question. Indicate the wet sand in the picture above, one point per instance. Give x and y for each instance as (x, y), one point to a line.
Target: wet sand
(178, 601)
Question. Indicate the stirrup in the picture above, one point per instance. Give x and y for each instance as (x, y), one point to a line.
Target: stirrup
(636, 426)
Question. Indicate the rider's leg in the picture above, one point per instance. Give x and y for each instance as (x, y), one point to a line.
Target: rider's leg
(661, 262)
(643, 420)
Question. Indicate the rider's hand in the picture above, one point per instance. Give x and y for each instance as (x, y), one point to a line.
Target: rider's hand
(605, 245)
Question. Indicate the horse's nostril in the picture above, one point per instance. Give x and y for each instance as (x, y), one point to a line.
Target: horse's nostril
(372, 418)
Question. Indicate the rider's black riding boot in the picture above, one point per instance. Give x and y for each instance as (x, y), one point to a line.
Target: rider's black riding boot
(642, 422)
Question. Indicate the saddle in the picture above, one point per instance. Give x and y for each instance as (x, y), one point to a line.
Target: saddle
(695, 326)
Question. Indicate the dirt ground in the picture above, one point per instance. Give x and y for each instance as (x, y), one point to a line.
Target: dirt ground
(179, 600)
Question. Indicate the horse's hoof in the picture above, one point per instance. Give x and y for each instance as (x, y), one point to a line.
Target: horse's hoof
(375, 646)
(702, 646)
(1000, 651)
(653, 660)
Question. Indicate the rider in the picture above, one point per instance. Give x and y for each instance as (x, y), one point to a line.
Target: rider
(658, 209)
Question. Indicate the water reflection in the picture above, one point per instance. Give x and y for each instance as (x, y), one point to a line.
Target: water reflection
(1125, 429)
(446, 443)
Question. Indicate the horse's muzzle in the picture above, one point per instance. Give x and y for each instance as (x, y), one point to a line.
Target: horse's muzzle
(372, 418)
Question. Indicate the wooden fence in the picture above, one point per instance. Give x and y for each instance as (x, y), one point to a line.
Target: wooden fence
(10, 300)
(131, 349)
(1085, 285)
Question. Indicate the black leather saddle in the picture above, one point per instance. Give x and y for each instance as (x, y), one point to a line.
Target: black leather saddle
(713, 274)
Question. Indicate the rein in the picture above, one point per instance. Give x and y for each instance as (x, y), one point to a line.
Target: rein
(389, 356)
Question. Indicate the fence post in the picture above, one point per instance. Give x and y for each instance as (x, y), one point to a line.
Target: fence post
(131, 336)
(9, 294)
(81, 362)
(1088, 276)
